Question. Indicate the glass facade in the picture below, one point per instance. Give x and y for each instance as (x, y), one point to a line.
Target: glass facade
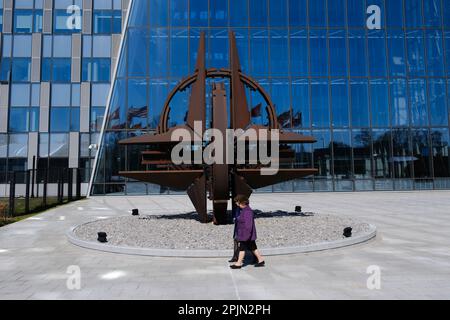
(55, 74)
(373, 89)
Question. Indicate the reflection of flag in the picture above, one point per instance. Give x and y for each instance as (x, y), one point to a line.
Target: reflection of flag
(256, 111)
(114, 120)
(135, 117)
(137, 113)
(284, 119)
(115, 115)
(297, 120)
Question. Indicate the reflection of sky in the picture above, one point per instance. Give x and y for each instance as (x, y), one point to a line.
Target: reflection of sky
(3, 150)
(342, 78)
(15, 150)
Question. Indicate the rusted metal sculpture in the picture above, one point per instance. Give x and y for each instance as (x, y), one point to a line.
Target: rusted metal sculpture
(221, 181)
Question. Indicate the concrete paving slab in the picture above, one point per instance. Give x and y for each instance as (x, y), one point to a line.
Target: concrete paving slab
(411, 252)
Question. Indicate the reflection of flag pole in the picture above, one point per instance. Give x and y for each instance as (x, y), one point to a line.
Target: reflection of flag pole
(284, 119)
(139, 114)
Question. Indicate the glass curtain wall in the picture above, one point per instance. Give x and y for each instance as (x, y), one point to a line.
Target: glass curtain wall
(31, 56)
(373, 89)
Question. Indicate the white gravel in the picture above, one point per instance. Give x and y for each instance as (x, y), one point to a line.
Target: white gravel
(184, 231)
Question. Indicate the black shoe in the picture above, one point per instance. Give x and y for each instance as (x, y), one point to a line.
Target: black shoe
(260, 264)
(233, 260)
(235, 267)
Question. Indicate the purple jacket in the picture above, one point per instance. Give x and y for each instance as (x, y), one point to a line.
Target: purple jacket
(245, 225)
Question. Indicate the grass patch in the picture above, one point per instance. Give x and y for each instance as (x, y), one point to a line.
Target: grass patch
(36, 207)
(5, 221)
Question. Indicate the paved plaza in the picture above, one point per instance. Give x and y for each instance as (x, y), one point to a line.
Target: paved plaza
(411, 251)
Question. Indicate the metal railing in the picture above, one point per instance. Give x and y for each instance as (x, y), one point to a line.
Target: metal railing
(34, 195)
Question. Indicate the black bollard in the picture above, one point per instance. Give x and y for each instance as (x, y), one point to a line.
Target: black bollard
(348, 232)
(102, 237)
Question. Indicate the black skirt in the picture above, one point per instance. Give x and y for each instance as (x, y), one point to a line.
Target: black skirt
(247, 246)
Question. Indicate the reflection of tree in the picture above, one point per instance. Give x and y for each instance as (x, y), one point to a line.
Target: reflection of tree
(381, 154)
(322, 156)
(402, 153)
(337, 145)
(400, 139)
(407, 155)
(421, 153)
(420, 139)
(397, 150)
(439, 144)
(342, 159)
(113, 155)
(364, 138)
(117, 157)
(303, 156)
(362, 153)
(133, 161)
(440, 147)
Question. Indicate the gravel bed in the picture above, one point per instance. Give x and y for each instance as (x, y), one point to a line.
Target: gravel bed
(184, 231)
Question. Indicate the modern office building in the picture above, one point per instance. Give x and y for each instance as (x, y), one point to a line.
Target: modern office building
(56, 64)
(368, 78)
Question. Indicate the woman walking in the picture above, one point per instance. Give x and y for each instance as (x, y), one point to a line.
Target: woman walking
(246, 233)
(236, 212)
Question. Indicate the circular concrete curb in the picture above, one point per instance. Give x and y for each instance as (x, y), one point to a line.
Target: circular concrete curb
(361, 238)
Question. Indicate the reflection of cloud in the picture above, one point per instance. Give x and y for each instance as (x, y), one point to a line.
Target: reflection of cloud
(15, 150)
(398, 60)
